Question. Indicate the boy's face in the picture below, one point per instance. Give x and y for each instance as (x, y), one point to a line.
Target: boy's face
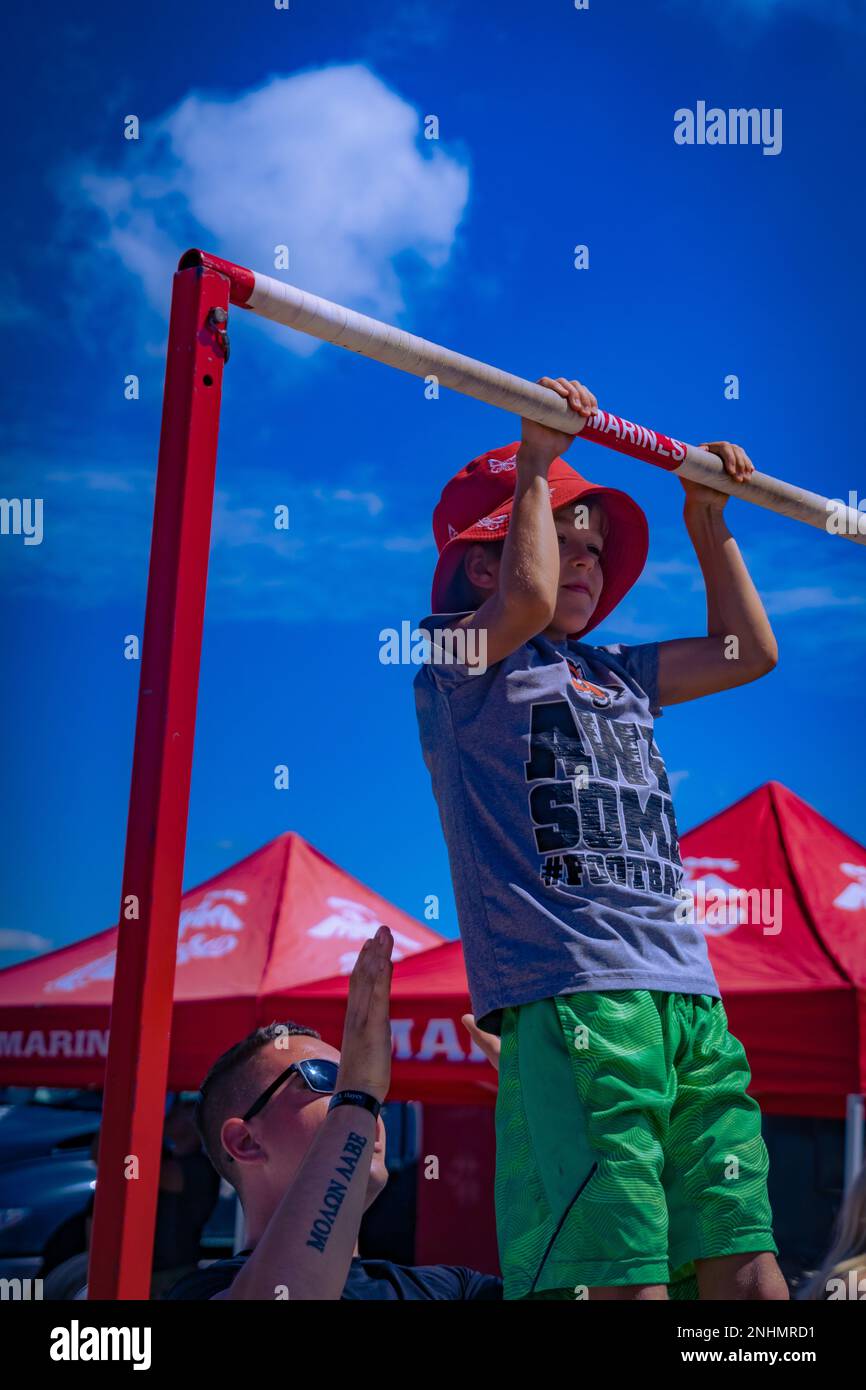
(582, 531)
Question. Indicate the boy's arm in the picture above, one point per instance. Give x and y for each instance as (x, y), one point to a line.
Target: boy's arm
(695, 666)
(523, 600)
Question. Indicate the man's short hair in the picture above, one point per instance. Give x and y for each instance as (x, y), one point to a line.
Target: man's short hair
(231, 1086)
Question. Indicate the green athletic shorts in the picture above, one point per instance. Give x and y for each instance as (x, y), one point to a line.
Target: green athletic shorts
(626, 1145)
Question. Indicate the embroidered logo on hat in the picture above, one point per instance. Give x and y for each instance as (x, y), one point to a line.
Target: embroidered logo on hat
(493, 523)
(503, 465)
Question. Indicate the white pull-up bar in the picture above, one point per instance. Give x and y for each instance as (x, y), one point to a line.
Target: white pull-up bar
(307, 313)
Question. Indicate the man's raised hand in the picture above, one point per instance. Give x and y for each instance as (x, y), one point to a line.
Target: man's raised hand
(365, 1061)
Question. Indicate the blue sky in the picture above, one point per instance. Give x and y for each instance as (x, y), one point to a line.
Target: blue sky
(304, 128)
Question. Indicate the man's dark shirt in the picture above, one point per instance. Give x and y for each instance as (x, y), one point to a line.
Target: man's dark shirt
(182, 1216)
(368, 1279)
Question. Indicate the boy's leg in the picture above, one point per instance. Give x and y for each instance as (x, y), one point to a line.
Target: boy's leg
(754, 1277)
(716, 1179)
(585, 1091)
(683, 1284)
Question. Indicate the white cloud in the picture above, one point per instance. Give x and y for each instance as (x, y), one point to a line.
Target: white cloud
(627, 626)
(92, 479)
(370, 501)
(409, 545)
(780, 602)
(656, 573)
(414, 24)
(15, 307)
(842, 14)
(236, 526)
(97, 542)
(13, 940)
(329, 162)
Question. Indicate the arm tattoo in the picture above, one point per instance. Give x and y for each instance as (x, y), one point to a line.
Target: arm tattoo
(336, 1191)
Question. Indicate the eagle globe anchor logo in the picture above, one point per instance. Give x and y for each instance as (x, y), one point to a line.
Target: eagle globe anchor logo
(600, 698)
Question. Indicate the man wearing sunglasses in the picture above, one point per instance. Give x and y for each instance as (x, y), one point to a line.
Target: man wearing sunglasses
(294, 1126)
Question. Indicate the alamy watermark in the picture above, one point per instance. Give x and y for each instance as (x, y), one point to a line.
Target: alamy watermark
(720, 909)
(850, 1286)
(20, 1290)
(22, 516)
(83, 1343)
(846, 518)
(450, 646)
(736, 126)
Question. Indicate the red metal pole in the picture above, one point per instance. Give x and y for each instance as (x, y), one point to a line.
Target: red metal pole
(137, 1067)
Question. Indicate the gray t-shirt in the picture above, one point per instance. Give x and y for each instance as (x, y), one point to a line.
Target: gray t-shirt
(557, 814)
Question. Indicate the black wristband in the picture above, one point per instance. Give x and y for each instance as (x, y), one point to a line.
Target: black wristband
(362, 1098)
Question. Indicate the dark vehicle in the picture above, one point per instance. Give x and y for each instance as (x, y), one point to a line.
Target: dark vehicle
(37, 1120)
(48, 1178)
(46, 1173)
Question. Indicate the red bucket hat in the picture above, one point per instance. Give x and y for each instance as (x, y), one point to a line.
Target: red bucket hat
(476, 506)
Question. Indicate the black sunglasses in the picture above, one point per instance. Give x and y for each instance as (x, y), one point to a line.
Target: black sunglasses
(317, 1074)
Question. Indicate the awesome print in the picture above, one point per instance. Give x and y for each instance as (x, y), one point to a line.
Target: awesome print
(600, 802)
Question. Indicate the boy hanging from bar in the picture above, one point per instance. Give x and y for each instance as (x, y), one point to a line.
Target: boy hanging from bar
(629, 1154)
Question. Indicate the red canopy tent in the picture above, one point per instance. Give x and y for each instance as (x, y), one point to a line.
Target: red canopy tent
(282, 917)
(794, 983)
(791, 967)
(276, 935)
